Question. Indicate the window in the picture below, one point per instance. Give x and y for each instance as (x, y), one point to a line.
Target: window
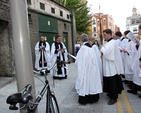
(29, 2)
(134, 29)
(52, 10)
(94, 22)
(29, 18)
(68, 16)
(104, 19)
(94, 29)
(61, 13)
(133, 21)
(42, 6)
(137, 21)
(94, 35)
(65, 26)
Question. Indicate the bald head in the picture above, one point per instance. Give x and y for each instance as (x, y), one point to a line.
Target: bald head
(42, 38)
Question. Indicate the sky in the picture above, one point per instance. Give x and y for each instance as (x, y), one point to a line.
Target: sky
(119, 9)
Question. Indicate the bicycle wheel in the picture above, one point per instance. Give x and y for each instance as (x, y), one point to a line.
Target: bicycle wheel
(54, 108)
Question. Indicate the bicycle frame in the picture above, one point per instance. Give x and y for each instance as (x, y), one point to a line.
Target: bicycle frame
(26, 97)
(38, 99)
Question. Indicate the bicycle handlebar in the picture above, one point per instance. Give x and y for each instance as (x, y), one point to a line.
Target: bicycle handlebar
(58, 62)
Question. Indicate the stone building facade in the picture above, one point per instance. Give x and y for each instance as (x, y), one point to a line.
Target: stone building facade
(6, 46)
(35, 14)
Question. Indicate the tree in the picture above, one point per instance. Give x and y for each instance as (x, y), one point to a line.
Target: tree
(82, 16)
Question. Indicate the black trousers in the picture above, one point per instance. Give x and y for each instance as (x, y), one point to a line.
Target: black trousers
(113, 86)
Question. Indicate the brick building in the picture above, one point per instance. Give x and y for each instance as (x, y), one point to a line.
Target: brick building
(106, 22)
(46, 18)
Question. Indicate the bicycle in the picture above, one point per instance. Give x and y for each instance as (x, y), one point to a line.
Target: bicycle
(25, 97)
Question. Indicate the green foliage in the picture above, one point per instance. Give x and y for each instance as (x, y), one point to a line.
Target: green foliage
(82, 16)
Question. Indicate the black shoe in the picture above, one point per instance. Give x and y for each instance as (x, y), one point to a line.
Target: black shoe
(139, 96)
(65, 76)
(123, 76)
(130, 86)
(112, 101)
(124, 81)
(132, 91)
(108, 94)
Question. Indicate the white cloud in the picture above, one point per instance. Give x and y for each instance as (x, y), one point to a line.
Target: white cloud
(119, 9)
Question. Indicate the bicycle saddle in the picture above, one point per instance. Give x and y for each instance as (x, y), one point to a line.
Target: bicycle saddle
(20, 97)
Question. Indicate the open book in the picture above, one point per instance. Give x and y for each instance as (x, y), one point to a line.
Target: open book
(131, 36)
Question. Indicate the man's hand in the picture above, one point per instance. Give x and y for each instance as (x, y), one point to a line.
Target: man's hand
(124, 50)
(137, 42)
(101, 46)
(43, 48)
(58, 49)
(62, 50)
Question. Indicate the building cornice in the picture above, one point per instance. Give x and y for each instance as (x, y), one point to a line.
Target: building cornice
(44, 13)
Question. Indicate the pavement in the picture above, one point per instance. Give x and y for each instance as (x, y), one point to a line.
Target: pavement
(68, 98)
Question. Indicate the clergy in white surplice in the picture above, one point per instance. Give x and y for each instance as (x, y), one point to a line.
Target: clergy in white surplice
(121, 42)
(59, 52)
(112, 67)
(136, 66)
(129, 58)
(88, 82)
(42, 54)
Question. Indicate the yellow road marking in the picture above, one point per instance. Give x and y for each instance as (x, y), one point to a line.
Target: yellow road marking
(119, 106)
(127, 103)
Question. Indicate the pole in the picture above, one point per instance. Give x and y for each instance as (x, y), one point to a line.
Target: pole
(22, 48)
(73, 30)
(100, 23)
(101, 38)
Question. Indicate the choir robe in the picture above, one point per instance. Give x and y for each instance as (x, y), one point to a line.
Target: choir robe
(98, 55)
(42, 60)
(135, 67)
(129, 58)
(121, 45)
(112, 69)
(117, 41)
(88, 83)
(59, 71)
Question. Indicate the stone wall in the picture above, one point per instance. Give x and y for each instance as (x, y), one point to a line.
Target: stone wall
(34, 33)
(6, 56)
(67, 30)
(7, 67)
(4, 10)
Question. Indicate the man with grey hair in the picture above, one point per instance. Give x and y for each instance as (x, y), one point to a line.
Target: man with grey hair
(42, 53)
(88, 82)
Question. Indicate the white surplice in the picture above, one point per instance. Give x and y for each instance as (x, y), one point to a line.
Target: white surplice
(112, 61)
(38, 55)
(98, 55)
(129, 56)
(54, 58)
(135, 67)
(122, 44)
(88, 79)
